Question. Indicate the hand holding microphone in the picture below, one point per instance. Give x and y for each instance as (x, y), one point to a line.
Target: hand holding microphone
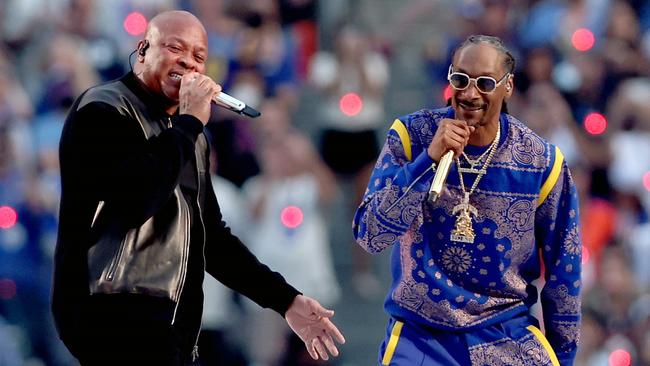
(196, 93)
(450, 139)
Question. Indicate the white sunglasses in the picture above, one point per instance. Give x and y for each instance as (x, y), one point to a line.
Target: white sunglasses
(484, 84)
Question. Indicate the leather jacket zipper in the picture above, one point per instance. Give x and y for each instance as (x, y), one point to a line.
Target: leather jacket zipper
(186, 248)
(116, 260)
(195, 350)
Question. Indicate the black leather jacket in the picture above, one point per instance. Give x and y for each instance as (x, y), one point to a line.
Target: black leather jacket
(120, 260)
(125, 224)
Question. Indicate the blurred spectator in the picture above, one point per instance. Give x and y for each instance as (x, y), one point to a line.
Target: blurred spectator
(592, 338)
(14, 101)
(9, 346)
(290, 236)
(629, 114)
(52, 50)
(349, 129)
(12, 176)
(26, 251)
(639, 244)
(82, 11)
(15, 111)
(588, 93)
(554, 21)
(538, 67)
(628, 108)
(617, 291)
(300, 17)
(621, 47)
(232, 138)
(598, 218)
(644, 347)
(267, 49)
(66, 73)
(224, 34)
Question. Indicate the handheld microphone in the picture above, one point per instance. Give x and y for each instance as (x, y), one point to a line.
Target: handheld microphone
(441, 175)
(235, 105)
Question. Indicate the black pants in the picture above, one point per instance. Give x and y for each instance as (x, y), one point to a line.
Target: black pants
(133, 344)
(133, 332)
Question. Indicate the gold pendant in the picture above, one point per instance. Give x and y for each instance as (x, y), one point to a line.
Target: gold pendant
(463, 230)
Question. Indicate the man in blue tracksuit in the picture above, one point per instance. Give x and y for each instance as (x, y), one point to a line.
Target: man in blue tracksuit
(463, 265)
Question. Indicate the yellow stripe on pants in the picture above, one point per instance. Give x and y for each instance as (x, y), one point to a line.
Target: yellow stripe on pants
(392, 343)
(547, 346)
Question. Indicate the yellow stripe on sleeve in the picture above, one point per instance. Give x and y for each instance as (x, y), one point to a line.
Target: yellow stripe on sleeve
(392, 343)
(547, 346)
(552, 178)
(402, 132)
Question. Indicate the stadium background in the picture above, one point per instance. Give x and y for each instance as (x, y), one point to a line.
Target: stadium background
(313, 67)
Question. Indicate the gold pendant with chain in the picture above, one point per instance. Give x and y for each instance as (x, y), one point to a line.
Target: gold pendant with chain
(463, 230)
(472, 170)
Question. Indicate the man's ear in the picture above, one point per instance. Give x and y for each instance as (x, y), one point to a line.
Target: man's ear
(142, 47)
(510, 85)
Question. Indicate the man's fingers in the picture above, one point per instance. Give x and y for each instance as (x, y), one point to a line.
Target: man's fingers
(318, 309)
(190, 76)
(456, 137)
(463, 130)
(457, 144)
(457, 123)
(461, 127)
(333, 331)
(311, 350)
(320, 348)
(321, 311)
(329, 343)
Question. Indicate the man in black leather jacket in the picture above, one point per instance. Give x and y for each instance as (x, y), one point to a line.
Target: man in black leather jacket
(139, 221)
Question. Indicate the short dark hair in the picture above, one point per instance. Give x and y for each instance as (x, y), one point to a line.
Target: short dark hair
(496, 42)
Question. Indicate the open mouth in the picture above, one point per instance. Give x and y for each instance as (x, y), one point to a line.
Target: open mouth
(175, 76)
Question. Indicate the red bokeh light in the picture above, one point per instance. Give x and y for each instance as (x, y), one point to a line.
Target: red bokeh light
(620, 357)
(135, 23)
(446, 94)
(351, 104)
(8, 217)
(595, 123)
(585, 255)
(291, 216)
(7, 288)
(646, 181)
(583, 39)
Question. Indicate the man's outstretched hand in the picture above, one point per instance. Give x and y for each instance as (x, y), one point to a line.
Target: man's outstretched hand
(311, 322)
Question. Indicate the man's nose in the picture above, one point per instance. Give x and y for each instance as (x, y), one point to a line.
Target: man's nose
(472, 90)
(187, 62)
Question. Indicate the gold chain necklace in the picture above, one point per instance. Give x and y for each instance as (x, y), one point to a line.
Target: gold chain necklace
(463, 230)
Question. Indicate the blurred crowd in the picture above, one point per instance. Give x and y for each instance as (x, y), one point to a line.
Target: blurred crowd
(329, 77)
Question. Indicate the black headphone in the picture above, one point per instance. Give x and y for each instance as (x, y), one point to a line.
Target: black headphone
(143, 49)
